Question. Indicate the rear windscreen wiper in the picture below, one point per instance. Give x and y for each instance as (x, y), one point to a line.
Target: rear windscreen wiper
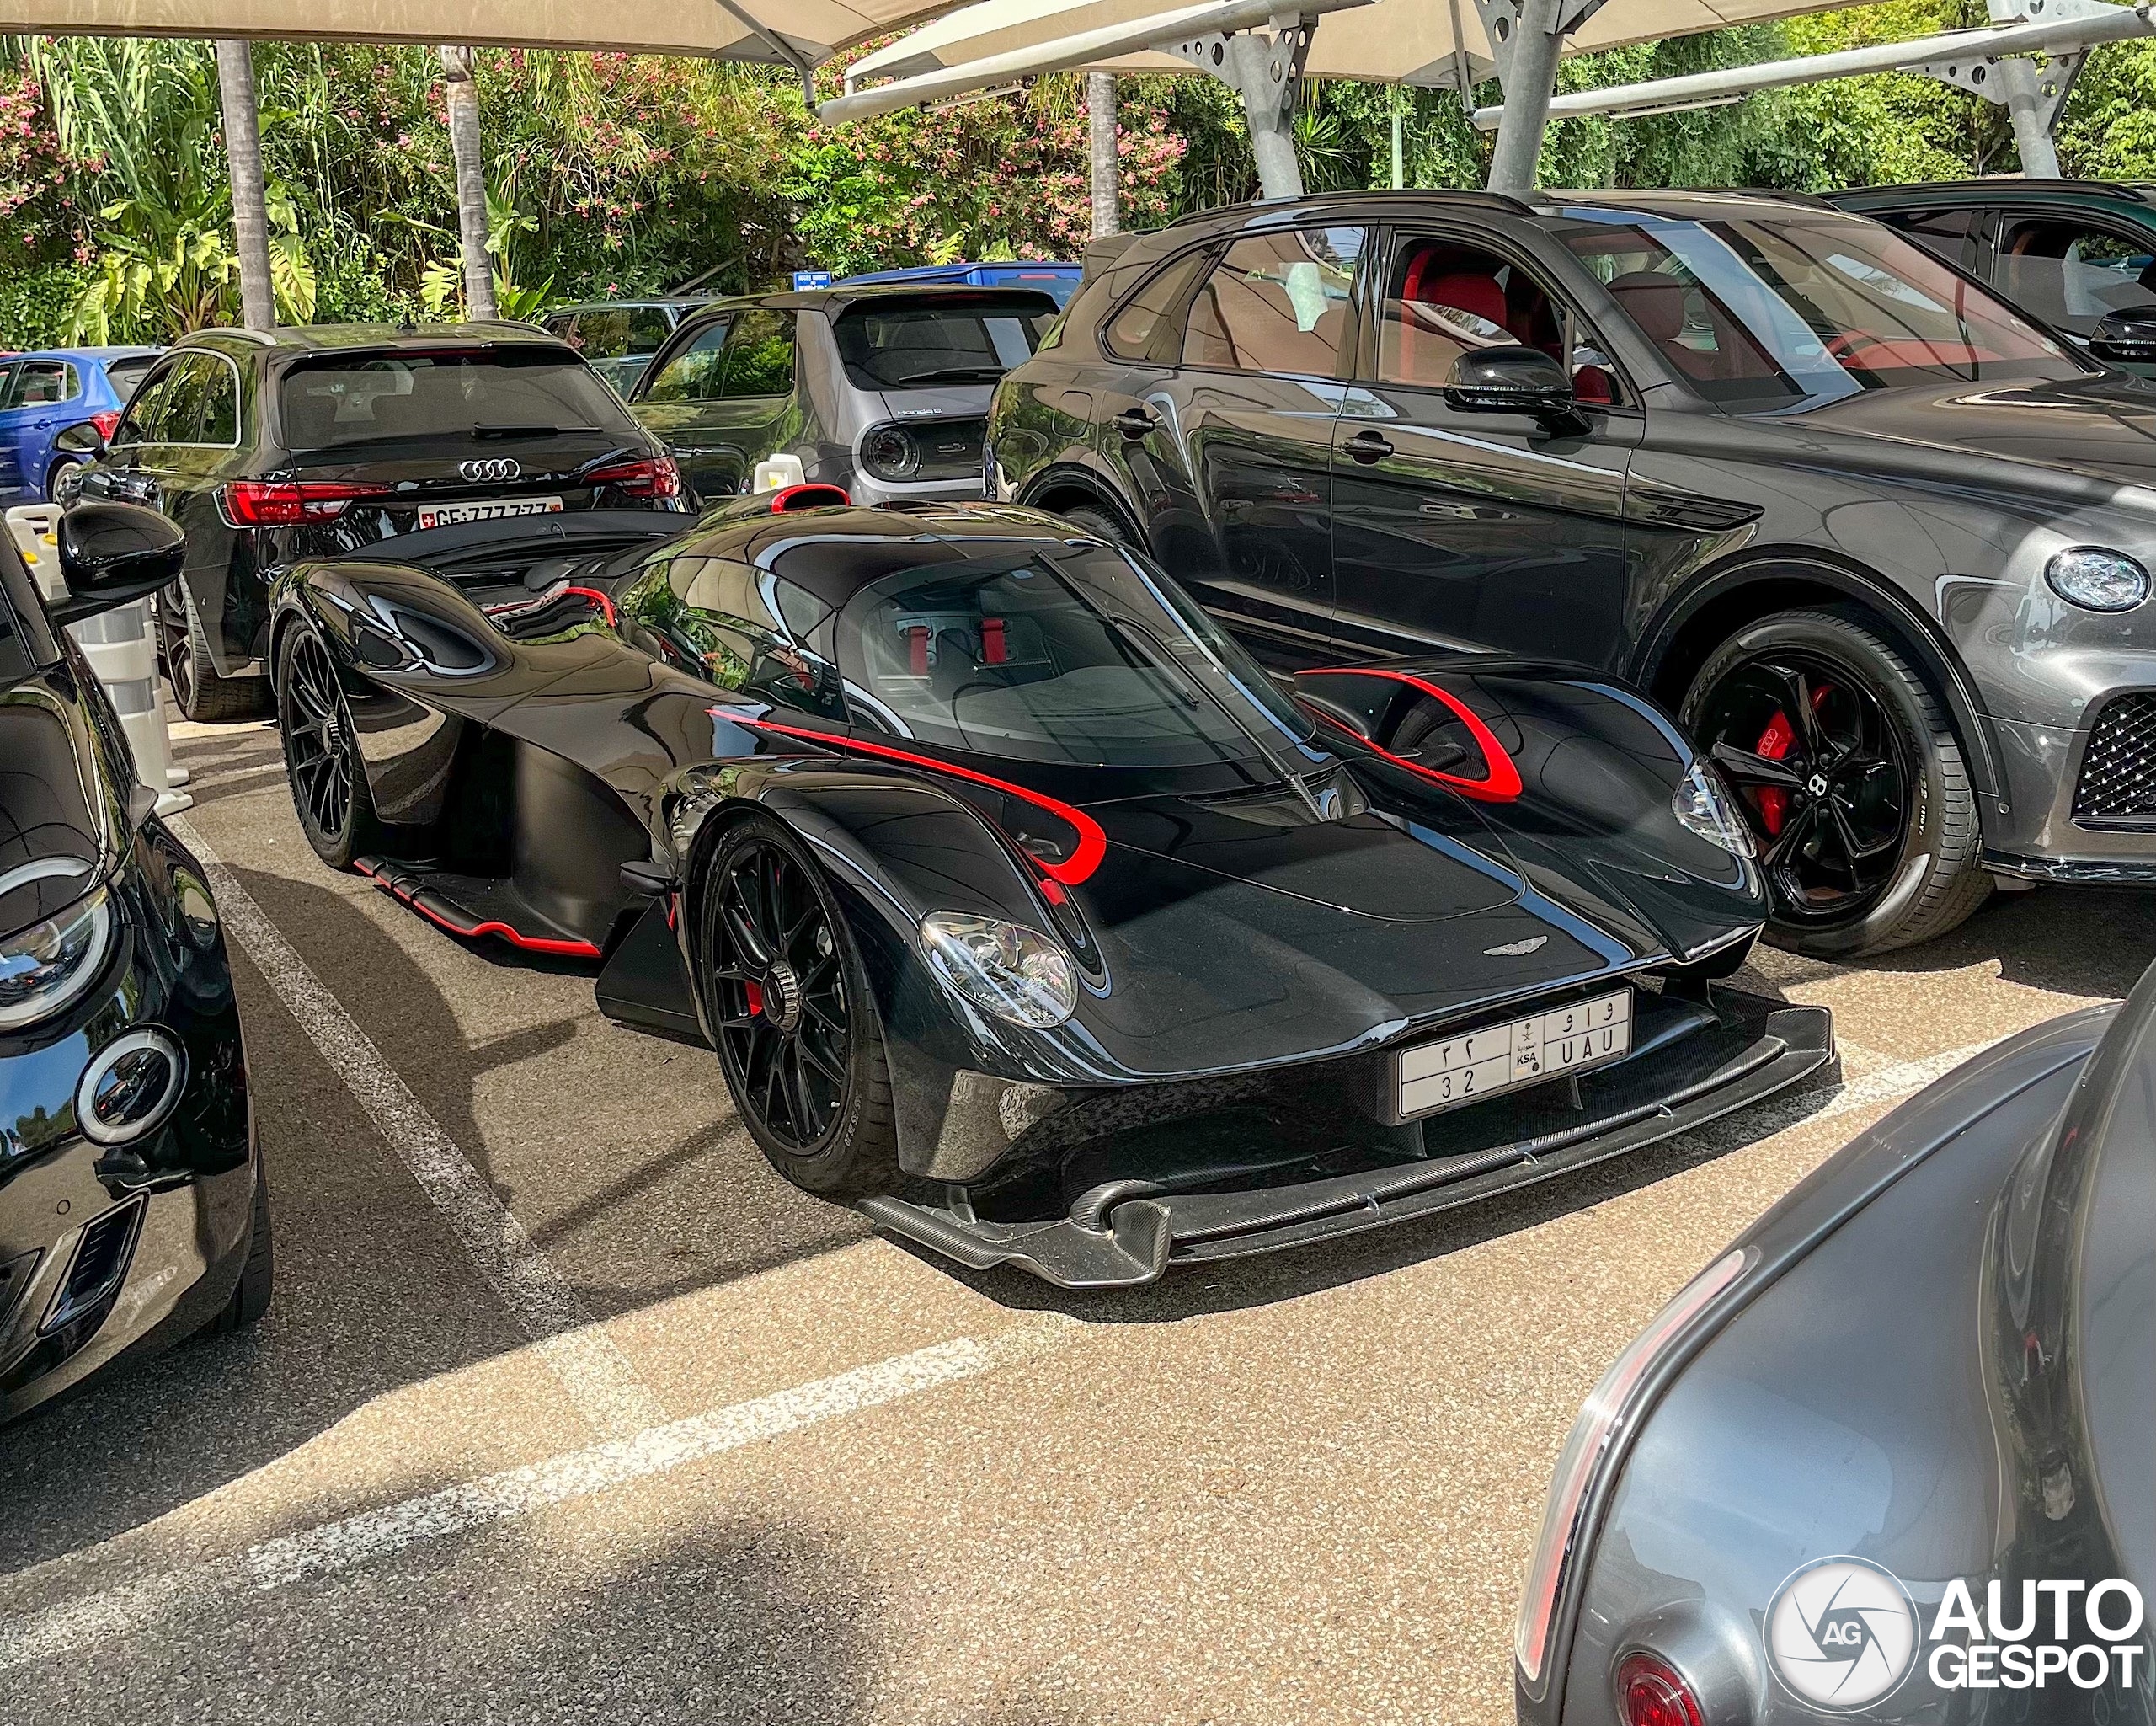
(949, 374)
(530, 430)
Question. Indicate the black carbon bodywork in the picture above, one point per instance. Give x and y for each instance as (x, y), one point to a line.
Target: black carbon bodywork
(1249, 959)
(107, 1248)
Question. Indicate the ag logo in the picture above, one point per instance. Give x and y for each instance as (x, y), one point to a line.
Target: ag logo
(1842, 1634)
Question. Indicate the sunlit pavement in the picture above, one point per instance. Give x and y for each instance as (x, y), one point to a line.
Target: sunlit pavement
(568, 1409)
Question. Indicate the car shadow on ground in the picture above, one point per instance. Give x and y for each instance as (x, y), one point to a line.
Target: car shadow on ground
(2083, 941)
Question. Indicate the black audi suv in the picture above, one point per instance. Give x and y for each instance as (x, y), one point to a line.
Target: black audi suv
(314, 441)
(1882, 541)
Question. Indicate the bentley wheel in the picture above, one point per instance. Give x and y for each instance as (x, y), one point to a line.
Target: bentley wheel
(321, 756)
(1849, 774)
(797, 1035)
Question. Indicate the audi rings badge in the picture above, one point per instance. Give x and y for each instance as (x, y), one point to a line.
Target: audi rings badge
(496, 468)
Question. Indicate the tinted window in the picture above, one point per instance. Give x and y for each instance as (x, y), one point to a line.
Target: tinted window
(1945, 232)
(38, 383)
(1764, 312)
(741, 627)
(202, 406)
(1277, 303)
(444, 393)
(1149, 327)
(124, 375)
(145, 413)
(759, 355)
(2071, 275)
(1443, 299)
(921, 346)
(619, 330)
(692, 374)
(1084, 657)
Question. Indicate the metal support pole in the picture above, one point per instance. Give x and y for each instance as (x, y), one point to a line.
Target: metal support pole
(1108, 168)
(1399, 161)
(1263, 73)
(2032, 124)
(257, 294)
(462, 97)
(1528, 52)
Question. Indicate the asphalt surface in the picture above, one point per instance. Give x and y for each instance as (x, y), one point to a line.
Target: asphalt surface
(568, 1409)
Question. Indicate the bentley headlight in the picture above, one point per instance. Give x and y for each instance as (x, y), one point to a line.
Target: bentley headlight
(1014, 972)
(1703, 806)
(2096, 579)
(44, 968)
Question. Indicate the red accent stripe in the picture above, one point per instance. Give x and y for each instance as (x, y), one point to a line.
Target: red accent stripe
(1079, 866)
(1502, 784)
(606, 605)
(811, 494)
(515, 938)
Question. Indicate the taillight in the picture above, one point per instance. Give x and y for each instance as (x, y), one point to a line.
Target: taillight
(282, 503)
(652, 477)
(1586, 1448)
(1652, 1692)
(107, 423)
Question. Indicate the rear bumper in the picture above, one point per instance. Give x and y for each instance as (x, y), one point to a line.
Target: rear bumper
(1735, 1050)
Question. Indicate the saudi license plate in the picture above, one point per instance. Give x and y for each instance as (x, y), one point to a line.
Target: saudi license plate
(443, 514)
(1477, 1063)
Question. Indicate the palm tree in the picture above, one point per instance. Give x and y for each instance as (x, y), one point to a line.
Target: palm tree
(462, 97)
(244, 158)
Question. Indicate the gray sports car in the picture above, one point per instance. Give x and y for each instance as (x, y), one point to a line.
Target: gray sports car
(1889, 1455)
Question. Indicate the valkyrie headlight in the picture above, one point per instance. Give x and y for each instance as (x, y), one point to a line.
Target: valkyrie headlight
(1702, 805)
(44, 968)
(1015, 973)
(2096, 579)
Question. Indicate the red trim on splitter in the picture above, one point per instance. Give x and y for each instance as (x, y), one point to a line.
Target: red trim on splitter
(1092, 842)
(515, 938)
(1503, 784)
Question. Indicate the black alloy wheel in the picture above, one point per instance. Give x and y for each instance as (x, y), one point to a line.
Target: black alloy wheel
(1848, 772)
(798, 1037)
(197, 690)
(321, 758)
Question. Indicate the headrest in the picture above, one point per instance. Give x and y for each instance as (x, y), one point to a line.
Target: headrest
(1654, 302)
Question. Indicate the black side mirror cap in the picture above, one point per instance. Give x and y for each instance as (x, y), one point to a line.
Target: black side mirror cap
(2125, 337)
(1510, 380)
(112, 554)
(81, 439)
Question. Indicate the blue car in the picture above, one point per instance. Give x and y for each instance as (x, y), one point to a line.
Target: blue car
(42, 394)
(1058, 282)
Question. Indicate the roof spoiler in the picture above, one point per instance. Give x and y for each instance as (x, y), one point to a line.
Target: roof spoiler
(1103, 252)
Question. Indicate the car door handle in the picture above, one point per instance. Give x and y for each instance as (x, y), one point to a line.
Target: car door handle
(1367, 446)
(1136, 422)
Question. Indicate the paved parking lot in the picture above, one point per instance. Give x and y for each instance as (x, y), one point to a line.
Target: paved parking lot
(568, 1409)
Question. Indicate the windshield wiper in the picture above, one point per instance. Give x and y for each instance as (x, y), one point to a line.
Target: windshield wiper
(949, 374)
(530, 430)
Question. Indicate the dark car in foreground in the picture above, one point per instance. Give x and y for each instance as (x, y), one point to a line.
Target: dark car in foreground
(316, 440)
(133, 1210)
(1882, 541)
(1887, 1458)
(883, 391)
(617, 338)
(1021, 909)
(2071, 253)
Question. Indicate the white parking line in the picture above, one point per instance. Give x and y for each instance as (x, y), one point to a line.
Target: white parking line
(593, 1371)
(332, 1547)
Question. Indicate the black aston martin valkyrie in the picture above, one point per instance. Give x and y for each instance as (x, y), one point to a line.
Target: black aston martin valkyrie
(1022, 909)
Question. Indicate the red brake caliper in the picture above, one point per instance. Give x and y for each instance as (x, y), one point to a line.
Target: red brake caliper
(755, 996)
(1773, 744)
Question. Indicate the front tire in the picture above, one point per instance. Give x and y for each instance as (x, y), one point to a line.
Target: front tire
(790, 1008)
(63, 482)
(250, 1298)
(1849, 774)
(322, 763)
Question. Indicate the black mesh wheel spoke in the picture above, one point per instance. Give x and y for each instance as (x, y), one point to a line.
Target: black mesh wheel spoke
(318, 730)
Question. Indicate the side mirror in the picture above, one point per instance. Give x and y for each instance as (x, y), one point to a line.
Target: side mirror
(81, 439)
(112, 554)
(1509, 379)
(2125, 337)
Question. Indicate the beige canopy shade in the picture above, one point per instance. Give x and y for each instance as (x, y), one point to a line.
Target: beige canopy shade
(1395, 41)
(778, 32)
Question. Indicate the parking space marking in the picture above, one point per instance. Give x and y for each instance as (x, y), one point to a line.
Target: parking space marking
(590, 1366)
(330, 1547)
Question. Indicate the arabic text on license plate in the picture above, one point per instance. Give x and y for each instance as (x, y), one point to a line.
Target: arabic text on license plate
(442, 515)
(1471, 1066)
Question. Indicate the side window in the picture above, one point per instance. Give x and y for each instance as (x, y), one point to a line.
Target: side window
(145, 419)
(1443, 299)
(759, 355)
(2070, 274)
(692, 374)
(38, 383)
(1943, 231)
(220, 423)
(6, 381)
(1276, 303)
(740, 627)
(1149, 326)
(187, 403)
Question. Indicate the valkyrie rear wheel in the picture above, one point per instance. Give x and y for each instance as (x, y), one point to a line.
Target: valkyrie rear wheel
(797, 1035)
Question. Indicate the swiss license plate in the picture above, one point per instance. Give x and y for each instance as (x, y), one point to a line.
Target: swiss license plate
(442, 515)
(1476, 1064)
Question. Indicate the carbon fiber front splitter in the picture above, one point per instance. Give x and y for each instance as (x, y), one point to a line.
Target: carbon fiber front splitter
(1128, 1231)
